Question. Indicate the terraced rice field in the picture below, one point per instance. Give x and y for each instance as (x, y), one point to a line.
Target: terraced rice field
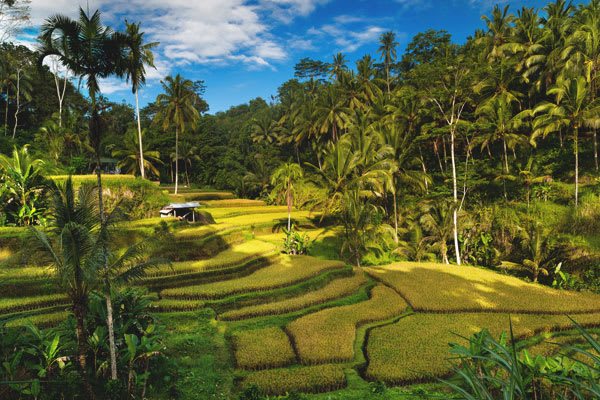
(306, 324)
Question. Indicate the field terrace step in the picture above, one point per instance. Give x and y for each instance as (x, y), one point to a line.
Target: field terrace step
(284, 271)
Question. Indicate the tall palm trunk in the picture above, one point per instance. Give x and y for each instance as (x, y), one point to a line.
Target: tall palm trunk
(455, 216)
(18, 103)
(595, 150)
(395, 215)
(139, 124)
(82, 340)
(6, 111)
(94, 129)
(289, 208)
(576, 147)
(505, 168)
(176, 157)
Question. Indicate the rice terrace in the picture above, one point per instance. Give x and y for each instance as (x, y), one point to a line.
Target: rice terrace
(299, 200)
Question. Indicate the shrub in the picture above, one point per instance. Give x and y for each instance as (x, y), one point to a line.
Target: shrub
(262, 348)
(328, 335)
(314, 379)
(332, 291)
(446, 288)
(295, 243)
(285, 272)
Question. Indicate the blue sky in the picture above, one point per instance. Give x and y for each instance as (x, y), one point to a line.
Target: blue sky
(244, 49)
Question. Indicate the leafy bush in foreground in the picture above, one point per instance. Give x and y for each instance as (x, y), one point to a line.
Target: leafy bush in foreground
(262, 348)
(489, 369)
(328, 335)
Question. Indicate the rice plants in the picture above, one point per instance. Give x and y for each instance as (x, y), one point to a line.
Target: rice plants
(285, 271)
(227, 212)
(234, 255)
(92, 178)
(420, 341)
(234, 203)
(448, 288)
(328, 335)
(257, 219)
(333, 290)
(11, 305)
(313, 379)
(168, 305)
(41, 320)
(262, 348)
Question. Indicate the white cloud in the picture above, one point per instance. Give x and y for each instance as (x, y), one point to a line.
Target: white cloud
(199, 32)
(346, 39)
(113, 85)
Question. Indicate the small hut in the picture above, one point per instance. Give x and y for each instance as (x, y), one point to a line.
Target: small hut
(180, 210)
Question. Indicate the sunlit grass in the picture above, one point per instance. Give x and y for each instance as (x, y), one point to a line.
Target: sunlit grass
(284, 272)
(449, 288)
(328, 335)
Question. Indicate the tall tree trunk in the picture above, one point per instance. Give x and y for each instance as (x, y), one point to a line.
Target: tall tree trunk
(424, 171)
(6, 112)
(576, 167)
(187, 176)
(455, 212)
(139, 124)
(18, 103)
(437, 154)
(60, 94)
(595, 150)
(395, 215)
(95, 132)
(288, 196)
(560, 137)
(81, 350)
(387, 72)
(176, 157)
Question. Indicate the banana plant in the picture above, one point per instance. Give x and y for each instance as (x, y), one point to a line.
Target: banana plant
(141, 349)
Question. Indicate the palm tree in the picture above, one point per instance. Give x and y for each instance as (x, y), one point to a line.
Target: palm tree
(331, 111)
(175, 107)
(51, 135)
(284, 179)
(388, 53)
(438, 221)
(537, 242)
(402, 144)
(130, 157)
(90, 51)
(265, 127)
(365, 77)
(75, 245)
(73, 248)
(501, 125)
(499, 28)
(571, 110)
(138, 55)
(188, 155)
(338, 65)
(337, 173)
